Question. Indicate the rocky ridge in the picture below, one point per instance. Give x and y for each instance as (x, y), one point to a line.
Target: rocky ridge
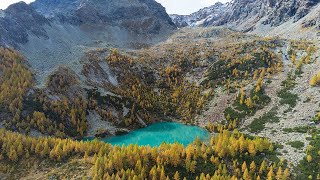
(199, 17)
(248, 15)
(139, 16)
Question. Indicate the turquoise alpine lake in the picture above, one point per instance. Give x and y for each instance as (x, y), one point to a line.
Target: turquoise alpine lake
(158, 133)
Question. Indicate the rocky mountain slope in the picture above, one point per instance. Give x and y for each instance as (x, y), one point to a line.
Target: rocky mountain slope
(198, 18)
(249, 15)
(50, 33)
(65, 44)
(139, 16)
(72, 83)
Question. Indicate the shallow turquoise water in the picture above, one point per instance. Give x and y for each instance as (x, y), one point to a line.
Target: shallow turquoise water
(156, 134)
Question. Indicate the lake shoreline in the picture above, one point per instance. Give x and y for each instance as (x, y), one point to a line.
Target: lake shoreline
(157, 133)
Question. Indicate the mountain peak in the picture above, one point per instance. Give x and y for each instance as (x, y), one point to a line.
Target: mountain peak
(18, 21)
(18, 7)
(246, 14)
(61, 31)
(113, 12)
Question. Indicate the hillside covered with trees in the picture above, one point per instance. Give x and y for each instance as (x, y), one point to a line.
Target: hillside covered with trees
(239, 87)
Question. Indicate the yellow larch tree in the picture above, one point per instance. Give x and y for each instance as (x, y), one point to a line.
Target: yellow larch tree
(176, 176)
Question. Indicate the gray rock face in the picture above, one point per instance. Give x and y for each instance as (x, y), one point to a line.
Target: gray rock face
(200, 17)
(287, 9)
(17, 21)
(245, 14)
(145, 17)
(138, 16)
(58, 32)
